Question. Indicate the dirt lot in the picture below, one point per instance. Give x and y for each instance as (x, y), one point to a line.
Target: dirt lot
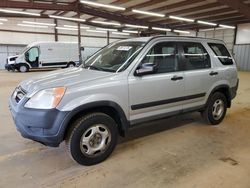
(177, 152)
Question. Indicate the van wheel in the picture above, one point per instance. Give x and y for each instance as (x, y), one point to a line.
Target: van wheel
(71, 64)
(216, 109)
(23, 68)
(92, 138)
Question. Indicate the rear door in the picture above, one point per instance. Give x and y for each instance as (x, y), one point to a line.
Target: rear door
(226, 62)
(161, 93)
(199, 74)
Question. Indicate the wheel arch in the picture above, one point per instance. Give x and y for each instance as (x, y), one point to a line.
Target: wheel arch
(225, 89)
(24, 63)
(27, 65)
(71, 62)
(108, 107)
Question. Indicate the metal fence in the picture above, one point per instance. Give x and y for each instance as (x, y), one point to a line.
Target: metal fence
(242, 56)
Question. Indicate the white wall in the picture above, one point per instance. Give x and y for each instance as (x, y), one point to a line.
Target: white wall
(9, 36)
(243, 34)
(12, 36)
(227, 35)
(8, 50)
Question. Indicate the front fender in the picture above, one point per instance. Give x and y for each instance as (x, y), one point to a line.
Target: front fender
(92, 105)
(94, 98)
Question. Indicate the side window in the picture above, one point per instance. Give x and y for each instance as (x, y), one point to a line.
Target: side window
(32, 54)
(196, 57)
(221, 53)
(164, 56)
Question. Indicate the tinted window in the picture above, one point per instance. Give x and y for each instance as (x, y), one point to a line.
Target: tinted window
(163, 55)
(196, 57)
(221, 52)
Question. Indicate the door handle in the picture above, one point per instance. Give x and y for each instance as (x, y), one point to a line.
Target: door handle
(175, 78)
(213, 73)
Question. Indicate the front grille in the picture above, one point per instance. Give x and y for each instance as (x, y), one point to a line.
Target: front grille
(13, 58)
(19, 94)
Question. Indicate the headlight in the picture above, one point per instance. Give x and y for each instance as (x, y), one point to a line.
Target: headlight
(46, 99)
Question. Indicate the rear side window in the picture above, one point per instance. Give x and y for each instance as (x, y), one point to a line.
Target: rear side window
(196, 57)
(221, 53)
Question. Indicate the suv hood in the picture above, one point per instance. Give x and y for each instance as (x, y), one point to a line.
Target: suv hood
(66, 77)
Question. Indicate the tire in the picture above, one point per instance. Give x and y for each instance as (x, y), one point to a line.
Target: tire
(92, 138)
(216, 109)
(71, 64)
(23, 68)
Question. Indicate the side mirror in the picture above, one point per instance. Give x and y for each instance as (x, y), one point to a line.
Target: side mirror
(145, 68)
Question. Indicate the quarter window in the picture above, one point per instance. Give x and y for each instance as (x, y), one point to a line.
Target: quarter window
(221, 53)
(196, 57)
(164, 56)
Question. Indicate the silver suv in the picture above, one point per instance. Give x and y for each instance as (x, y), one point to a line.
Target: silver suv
(125, 83)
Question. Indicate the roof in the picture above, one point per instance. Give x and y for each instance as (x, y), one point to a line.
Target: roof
(146, 39)
(138, 39)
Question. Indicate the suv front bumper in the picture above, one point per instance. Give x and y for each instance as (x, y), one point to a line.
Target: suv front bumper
(44, 126)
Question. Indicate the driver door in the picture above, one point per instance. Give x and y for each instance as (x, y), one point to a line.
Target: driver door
(158, 94)
(32, 57)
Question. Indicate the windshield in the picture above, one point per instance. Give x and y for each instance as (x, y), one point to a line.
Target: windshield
(25, 49)
(115, 57)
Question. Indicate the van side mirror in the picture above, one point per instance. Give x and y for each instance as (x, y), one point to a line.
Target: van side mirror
(145, 68)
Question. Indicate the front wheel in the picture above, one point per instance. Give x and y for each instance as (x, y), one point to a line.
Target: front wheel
(92, 138)
(23, 68)
(216, 109)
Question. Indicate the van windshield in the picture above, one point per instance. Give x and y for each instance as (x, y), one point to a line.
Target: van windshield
(115, 57)
(25, 49)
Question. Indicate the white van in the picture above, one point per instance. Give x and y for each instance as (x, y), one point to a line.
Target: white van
(45, 55)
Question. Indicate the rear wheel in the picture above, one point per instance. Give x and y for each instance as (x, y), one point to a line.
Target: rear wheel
(23, 68)
(216, 109)
(71, 64)
(92, 138)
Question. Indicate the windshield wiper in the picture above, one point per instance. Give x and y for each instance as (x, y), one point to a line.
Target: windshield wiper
(93, 67)
(99, 68)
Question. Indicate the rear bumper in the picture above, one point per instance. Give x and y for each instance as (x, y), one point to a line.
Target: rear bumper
(233, 90)
(43, 126)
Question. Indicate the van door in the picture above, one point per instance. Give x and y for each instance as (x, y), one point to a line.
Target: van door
(161, 93)
(198, 72)
(32, 57)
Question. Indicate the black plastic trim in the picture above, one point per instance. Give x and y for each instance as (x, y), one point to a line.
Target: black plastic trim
(85, 107)
(55, 64)
(165, 115)
(233, 90)
(167, 101)
(230, 94)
